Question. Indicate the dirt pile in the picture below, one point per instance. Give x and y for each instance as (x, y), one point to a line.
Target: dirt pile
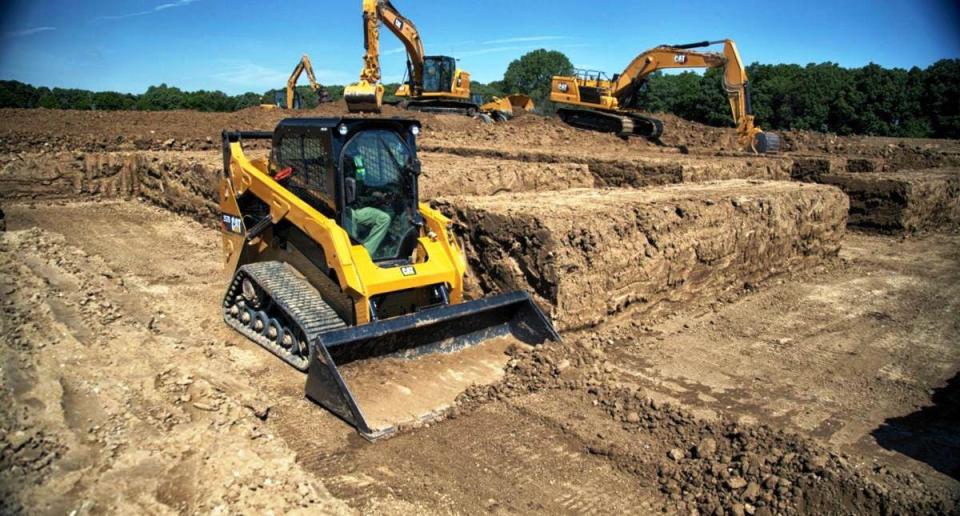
(589, 254)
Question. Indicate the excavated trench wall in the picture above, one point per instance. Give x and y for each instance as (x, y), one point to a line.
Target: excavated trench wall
(636, 171)
(587, 255)
(185, 183)
(890, 202)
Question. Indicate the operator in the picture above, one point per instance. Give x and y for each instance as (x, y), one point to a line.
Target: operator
(374, 220)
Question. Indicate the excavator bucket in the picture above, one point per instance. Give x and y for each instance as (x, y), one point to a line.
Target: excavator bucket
(400, 372)
(521, 101)
(363, 97)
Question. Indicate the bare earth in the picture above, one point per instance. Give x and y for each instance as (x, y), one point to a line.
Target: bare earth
(769, 362)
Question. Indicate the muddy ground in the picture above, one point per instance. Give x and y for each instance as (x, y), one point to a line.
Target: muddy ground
(736, 339)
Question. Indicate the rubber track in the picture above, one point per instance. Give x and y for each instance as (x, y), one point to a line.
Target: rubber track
(295, 296)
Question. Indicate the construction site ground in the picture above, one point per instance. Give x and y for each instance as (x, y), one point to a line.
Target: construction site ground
(741, 334)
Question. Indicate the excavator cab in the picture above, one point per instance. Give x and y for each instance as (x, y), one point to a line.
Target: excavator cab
(438, 74)
(337, 268)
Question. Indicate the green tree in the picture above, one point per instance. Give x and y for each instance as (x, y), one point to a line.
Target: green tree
(532, 73)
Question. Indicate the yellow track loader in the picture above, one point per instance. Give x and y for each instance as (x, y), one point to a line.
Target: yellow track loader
(610, 105)
(335, 266)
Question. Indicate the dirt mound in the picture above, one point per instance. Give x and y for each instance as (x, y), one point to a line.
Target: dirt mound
(588, 255)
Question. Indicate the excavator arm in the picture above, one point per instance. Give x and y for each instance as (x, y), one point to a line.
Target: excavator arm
(735, 82)
(367, 94)
(304, 66)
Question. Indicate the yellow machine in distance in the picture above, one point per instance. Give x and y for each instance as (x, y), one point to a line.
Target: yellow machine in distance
(331, 259)
(434, 83)
(291, 99)
(610, 105)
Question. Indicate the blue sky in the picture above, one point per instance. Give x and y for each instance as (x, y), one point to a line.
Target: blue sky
(239, 45)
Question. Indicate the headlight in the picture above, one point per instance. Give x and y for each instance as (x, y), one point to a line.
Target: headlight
(415, 130)
(342, 129)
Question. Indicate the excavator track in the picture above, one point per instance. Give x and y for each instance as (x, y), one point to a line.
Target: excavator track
(268, 303)
(442, 106)
(623, 125)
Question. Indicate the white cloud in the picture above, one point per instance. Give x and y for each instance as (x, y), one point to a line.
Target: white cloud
(393, 51)
(522, 39)
(27, 32)
(161, 7)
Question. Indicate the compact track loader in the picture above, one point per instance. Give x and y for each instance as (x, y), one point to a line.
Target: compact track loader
(334, 265)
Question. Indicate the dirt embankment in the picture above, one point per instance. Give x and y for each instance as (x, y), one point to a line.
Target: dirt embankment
(588, 254)
(181, 182)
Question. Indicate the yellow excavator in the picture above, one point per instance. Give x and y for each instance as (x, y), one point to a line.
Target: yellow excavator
(334, 264)
(610, 105)
(291, 99)
(434, 83)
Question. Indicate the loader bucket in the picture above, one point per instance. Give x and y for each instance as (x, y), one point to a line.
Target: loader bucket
(407, 370)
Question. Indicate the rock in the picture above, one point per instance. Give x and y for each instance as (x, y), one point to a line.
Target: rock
(706, 449)
(204, 406)
(738, 509)
(771, 482)
(169, 143)
(633, 417)
(784, 341)
(736, 483)
(259, 408)
(18, 439)
(676, 454)
(752, 491)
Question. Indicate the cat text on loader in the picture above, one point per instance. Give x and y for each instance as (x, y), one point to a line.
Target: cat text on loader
(334, 265)
(610, 105)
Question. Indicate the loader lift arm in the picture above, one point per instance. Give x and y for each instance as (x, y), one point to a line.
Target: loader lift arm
(619, 94)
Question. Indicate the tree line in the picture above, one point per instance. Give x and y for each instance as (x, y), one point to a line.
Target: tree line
(824, 97)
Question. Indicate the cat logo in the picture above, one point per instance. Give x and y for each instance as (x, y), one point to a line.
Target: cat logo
(563, 87)
(232, 224)
(408, 270)
(398, 24)
(680, 58)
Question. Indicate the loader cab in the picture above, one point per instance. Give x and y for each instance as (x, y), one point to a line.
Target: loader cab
(361, 172)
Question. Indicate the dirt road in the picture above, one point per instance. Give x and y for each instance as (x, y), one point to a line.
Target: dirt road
(120, 368)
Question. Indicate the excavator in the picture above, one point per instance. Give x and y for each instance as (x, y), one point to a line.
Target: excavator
(334, 264)
(435, 83)
(292, 100)
(610, 105)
